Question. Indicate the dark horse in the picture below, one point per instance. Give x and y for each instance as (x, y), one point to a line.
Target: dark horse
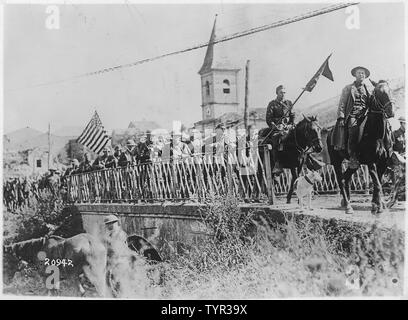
(374, 147)
(302, 140)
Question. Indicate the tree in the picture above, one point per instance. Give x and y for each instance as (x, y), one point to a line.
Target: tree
(72, 150)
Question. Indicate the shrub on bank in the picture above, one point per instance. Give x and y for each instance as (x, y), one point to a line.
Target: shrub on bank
(245, 258)
(35, 220)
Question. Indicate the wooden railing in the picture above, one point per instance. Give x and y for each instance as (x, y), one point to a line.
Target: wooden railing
(196, 178)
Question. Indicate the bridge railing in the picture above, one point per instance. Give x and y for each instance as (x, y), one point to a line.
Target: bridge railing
(245, 175)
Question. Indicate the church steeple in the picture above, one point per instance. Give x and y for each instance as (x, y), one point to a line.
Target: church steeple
(209, 55)
(219, 92)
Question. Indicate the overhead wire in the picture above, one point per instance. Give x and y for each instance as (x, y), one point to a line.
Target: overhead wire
(229, 37)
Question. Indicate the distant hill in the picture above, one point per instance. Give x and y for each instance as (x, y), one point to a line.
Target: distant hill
(71, 131)
(57, 142)
(17, 136)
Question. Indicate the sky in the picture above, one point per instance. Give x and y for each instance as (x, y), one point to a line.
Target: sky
(93, 37)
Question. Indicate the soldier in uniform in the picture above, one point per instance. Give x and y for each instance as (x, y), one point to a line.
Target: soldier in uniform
(72, 169)
(352, 108)
(100, 161)
(86, 165)
(399, 135)
(117, 151)
(117, 252)
(144, 149)
(106, 160)
(280, 118)
(127, 157)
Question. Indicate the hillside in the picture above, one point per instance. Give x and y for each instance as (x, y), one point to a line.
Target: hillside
(57, 143)
(70, 131)
(15, 137)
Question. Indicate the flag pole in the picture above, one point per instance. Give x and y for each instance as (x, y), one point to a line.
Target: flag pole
(303, 91)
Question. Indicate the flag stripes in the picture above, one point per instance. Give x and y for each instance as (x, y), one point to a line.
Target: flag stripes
(94, 135)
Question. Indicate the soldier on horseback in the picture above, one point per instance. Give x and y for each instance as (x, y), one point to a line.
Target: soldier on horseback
(280, 118)
(351, 111)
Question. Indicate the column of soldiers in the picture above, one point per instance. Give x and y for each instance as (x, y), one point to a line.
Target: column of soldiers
(130, 154)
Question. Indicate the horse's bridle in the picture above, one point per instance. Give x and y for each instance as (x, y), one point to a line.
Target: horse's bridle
(312, 143)
(382, 106)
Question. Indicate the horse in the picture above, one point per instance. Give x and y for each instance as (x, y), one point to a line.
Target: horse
(373, 149)
(86, 254)
(302, 140)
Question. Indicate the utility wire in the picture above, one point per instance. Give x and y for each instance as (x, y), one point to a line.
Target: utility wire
(236, 35)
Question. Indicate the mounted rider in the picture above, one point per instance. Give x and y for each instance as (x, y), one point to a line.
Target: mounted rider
(351, 112)
(281, 119)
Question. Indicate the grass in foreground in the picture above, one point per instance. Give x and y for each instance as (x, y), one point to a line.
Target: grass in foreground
(247, 258)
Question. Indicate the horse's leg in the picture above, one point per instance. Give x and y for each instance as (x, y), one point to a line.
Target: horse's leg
(294, 174)
(376, 200)
(381, 168)
(340, 180)
(347, 178)
(81, 288)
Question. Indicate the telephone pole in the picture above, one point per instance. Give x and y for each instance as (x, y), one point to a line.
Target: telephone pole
(49, 145)
(246, 97)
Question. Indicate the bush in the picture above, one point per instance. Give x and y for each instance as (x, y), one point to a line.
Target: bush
(34, 220)
(252, 258)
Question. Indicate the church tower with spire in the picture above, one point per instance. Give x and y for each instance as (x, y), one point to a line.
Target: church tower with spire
(219, 90)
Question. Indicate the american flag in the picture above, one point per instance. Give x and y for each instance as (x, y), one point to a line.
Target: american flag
(94, 136)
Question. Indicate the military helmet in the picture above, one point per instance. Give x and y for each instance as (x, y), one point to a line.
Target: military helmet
(280, 87)
(75, 161)
(110, 219)
(401, 119)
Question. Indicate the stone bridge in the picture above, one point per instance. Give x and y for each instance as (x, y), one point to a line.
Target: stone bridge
(173, 226)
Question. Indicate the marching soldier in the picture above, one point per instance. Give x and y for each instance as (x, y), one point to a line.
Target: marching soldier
(73, 168)
(399, 135)
(99, 162)
(86, 165)
(352, 109)
(117, 253)
(117, 151)
(280, 118)
(180, 149)
(106, 160)
(144, 149)
(127, 157)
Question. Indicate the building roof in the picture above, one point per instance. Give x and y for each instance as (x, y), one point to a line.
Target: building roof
(214, 57)
(143, 125)
(234, 117)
